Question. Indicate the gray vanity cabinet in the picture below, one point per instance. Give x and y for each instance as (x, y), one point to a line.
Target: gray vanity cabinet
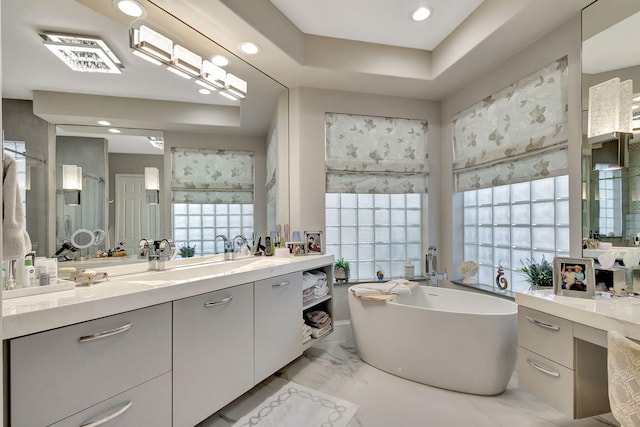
(212, 352)
(278, 323)
(61, 372)
(148, 404)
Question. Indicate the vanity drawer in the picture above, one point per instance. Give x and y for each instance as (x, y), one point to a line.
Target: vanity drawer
(547, 380)
(148, 404)
(546, 335)
(65, 370)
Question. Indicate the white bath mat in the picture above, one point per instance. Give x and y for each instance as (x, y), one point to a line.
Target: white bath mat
(294, 405)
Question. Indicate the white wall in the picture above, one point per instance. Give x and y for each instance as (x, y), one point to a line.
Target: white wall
(307, 108)
(566, 40)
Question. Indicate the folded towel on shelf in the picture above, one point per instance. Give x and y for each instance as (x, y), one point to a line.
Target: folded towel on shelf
(317, 333)
(306, 330)
(322, 324)
(320, 291)
(306, 339)
(397, 287)
(308, 280)
(316, 316)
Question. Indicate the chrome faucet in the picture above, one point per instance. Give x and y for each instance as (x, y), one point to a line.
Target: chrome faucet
(157, 251)
(227, 254)
(243, 243)
(431, 267)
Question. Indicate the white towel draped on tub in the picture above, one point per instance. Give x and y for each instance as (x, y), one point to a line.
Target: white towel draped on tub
(15, 240)
(381, 288)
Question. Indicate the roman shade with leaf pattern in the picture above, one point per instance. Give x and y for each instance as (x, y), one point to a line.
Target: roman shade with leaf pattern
(201, 175)
(517, 134)
(375, 155)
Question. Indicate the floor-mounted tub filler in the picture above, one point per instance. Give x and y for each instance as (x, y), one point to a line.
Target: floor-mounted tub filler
(456, 340)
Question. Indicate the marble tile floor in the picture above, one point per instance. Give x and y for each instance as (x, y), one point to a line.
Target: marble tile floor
(334, 367)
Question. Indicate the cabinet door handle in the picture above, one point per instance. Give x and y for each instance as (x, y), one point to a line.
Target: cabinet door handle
(542, 324)
(109, 417)
(281, 284)
(106, 334)
(218, 302)
(543, 369)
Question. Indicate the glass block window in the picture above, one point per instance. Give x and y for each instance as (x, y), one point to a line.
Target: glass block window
(199, 223)
(610, 202)
(509, 224)
(375, 231)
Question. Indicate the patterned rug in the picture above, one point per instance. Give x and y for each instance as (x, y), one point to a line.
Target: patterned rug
(294, 405)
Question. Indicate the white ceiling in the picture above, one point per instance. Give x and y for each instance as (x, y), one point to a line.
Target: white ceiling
(27, 66)
(383, 21)
(616, 44)
(319, 43)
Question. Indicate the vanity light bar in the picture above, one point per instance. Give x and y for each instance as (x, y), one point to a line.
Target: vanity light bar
(187, 61)
(236, 86)
(213, 75)
(152, 43)
(158, 49)
(83, 53)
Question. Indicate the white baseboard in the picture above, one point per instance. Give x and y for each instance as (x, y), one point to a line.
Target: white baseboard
(341, 331)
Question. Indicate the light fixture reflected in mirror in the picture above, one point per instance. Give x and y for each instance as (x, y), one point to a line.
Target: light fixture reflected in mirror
(71, 184)
(152, 185)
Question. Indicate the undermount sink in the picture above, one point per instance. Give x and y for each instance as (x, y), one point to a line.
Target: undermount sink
(203, 270)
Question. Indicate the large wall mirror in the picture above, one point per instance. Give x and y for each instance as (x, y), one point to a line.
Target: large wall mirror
(52, 119)
(611, 120)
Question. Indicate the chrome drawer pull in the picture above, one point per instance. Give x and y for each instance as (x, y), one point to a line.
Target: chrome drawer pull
(105, 334)
(109, 417)
(218, 302)
(542, 324)
(281, 284)
(543, 369)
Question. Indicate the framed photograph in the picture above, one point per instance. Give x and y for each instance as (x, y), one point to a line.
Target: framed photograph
(297, 248)
(574, 277)
(314, 243)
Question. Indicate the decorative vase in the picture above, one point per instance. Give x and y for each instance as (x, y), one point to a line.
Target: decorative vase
(341, 274)
(468, 270)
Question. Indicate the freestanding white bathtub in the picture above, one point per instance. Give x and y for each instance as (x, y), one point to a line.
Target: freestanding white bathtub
(456, 340)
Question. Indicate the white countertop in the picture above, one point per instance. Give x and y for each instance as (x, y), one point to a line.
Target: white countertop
(27, 315)
(621, 314)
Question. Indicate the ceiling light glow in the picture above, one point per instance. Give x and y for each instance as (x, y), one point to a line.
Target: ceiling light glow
(249, 48)
(204, 91)
(420, 14)
(130, 8)
(219, 60)
(114, 130)
(104, 123)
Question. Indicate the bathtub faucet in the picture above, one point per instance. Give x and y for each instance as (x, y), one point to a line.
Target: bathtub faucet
(431, 267)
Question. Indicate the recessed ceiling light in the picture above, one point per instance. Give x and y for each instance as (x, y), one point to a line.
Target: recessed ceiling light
(104, 123)
(220, 60)
(114, 130)
(249, 48)
(130, 8)
(204, 91)
(420, 14)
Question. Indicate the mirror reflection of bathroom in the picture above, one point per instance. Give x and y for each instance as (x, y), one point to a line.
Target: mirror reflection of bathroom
(112, 199)
(611, 146)
(51, 113)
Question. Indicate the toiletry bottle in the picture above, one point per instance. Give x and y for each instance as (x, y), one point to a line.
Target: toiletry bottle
(20, 274)
(29, 273)
(44, 279)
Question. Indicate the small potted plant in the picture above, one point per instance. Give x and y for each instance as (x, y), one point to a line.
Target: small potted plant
(187, 251)
(538, 275)
(341, 270)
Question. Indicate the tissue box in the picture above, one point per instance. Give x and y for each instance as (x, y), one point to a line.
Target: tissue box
(615, 278)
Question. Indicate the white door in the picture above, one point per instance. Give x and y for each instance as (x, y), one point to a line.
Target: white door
(135, 219)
